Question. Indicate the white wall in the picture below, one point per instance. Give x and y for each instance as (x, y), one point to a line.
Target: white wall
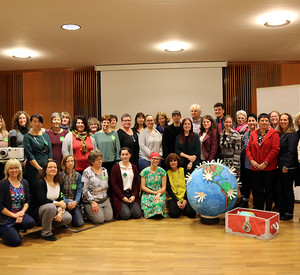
(160, 89)
(285, 99)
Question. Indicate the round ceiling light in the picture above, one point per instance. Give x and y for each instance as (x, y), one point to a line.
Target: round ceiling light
(173, 46)
(276, 19)
(70, 27)
(21, 53)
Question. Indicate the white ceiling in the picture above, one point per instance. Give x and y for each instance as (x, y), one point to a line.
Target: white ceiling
(129, 32)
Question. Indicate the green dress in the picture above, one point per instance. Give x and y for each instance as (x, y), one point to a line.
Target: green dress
(153, 182)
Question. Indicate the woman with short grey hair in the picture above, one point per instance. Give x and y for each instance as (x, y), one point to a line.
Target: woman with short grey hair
(95, 185)
(57, 136)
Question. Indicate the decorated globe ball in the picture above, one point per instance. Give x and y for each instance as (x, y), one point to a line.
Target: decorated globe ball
(212, 189)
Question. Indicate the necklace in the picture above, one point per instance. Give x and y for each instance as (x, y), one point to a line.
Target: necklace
(45, 144)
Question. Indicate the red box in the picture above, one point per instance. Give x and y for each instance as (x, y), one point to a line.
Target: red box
(265, 224)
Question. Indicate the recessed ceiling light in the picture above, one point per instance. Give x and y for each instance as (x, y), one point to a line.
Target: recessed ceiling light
(173, 46)
(70, 27)
(277, 19)
(21, 53)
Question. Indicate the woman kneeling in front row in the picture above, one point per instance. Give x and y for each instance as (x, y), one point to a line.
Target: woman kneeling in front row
(95, 184)
(125, 183)
(14, 202)
(176, 188)
(51, 206)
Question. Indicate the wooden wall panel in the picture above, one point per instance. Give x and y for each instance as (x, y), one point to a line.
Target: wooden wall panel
(86, 97)
(48, 92)
(11, 91)
(290, 74)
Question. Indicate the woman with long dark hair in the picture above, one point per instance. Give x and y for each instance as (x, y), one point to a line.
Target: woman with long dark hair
(187, 146)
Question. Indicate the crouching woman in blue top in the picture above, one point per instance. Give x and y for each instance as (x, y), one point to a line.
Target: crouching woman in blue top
(14, 202)
(71, 188)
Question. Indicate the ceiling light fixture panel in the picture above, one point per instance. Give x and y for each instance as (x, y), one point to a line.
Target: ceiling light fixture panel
(173, 46)
(276, 18)
(71, 27)
(21, 53)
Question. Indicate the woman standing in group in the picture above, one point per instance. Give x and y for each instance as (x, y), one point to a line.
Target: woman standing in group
(161, 120)
(3, 143)
(209, 139)
(49, 200)
(150, 140)
(139, 123)
(176, 188)
(274, 118)
(94, 125)
(37, 148)
(287, 164)
(153, 185)
(79, 143)
(57, 136)
(71, 188)
(262, 152)
(20, 127)
(113, 123)
(230, 145)
(129, 138)
(242, 125)
(65, 120)
(95, 184)
(14, 202)
(125, 182)
(187, 146)
(247, 182)
(108, 143)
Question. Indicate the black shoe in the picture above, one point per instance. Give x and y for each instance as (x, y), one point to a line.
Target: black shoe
(243, 204)
(50, 238)
(286, 217)
(275, 209)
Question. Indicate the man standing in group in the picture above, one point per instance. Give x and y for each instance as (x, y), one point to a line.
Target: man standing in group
(170, 133)
(196, 118)
(219, 112)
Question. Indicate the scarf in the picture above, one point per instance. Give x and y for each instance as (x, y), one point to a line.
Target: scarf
(82, 137)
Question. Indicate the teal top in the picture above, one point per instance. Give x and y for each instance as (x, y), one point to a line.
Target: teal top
(109, 145)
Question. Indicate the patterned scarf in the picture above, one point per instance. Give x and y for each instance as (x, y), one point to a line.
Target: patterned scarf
(82, 137)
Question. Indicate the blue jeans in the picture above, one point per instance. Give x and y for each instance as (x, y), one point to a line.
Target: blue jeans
(143, 163)
(77, 219)
(11, 235)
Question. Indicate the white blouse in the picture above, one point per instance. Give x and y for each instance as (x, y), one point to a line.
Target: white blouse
(127, 176)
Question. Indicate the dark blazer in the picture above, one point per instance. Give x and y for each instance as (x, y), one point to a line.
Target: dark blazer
(210, 144)
(169, 139)
(288, 156)
(117, 188)
(5, 197)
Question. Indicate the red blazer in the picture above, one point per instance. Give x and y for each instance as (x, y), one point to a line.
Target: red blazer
(117, 187)
(267, 151)
(210, 144)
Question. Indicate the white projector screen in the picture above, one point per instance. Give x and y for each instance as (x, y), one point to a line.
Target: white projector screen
(160, 89)
(284, 99)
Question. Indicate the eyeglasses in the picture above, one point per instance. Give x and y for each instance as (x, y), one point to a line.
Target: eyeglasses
(156, 159)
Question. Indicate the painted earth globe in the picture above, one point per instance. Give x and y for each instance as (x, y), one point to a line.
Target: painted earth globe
(212, 189)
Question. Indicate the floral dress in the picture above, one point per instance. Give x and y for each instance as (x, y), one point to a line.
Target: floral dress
(153, 182)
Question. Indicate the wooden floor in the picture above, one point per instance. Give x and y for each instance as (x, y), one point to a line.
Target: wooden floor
(167, 246)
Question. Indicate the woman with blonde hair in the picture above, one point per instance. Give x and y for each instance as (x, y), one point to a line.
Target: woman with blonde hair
(161, 120)
(274, 120)
(14, 202)
(94, 125)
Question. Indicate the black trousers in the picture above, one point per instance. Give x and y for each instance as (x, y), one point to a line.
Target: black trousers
(286, 192)
(175, 211)
(263, 189)
(247, 183)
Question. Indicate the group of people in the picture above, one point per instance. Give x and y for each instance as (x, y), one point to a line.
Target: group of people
(89, 168)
